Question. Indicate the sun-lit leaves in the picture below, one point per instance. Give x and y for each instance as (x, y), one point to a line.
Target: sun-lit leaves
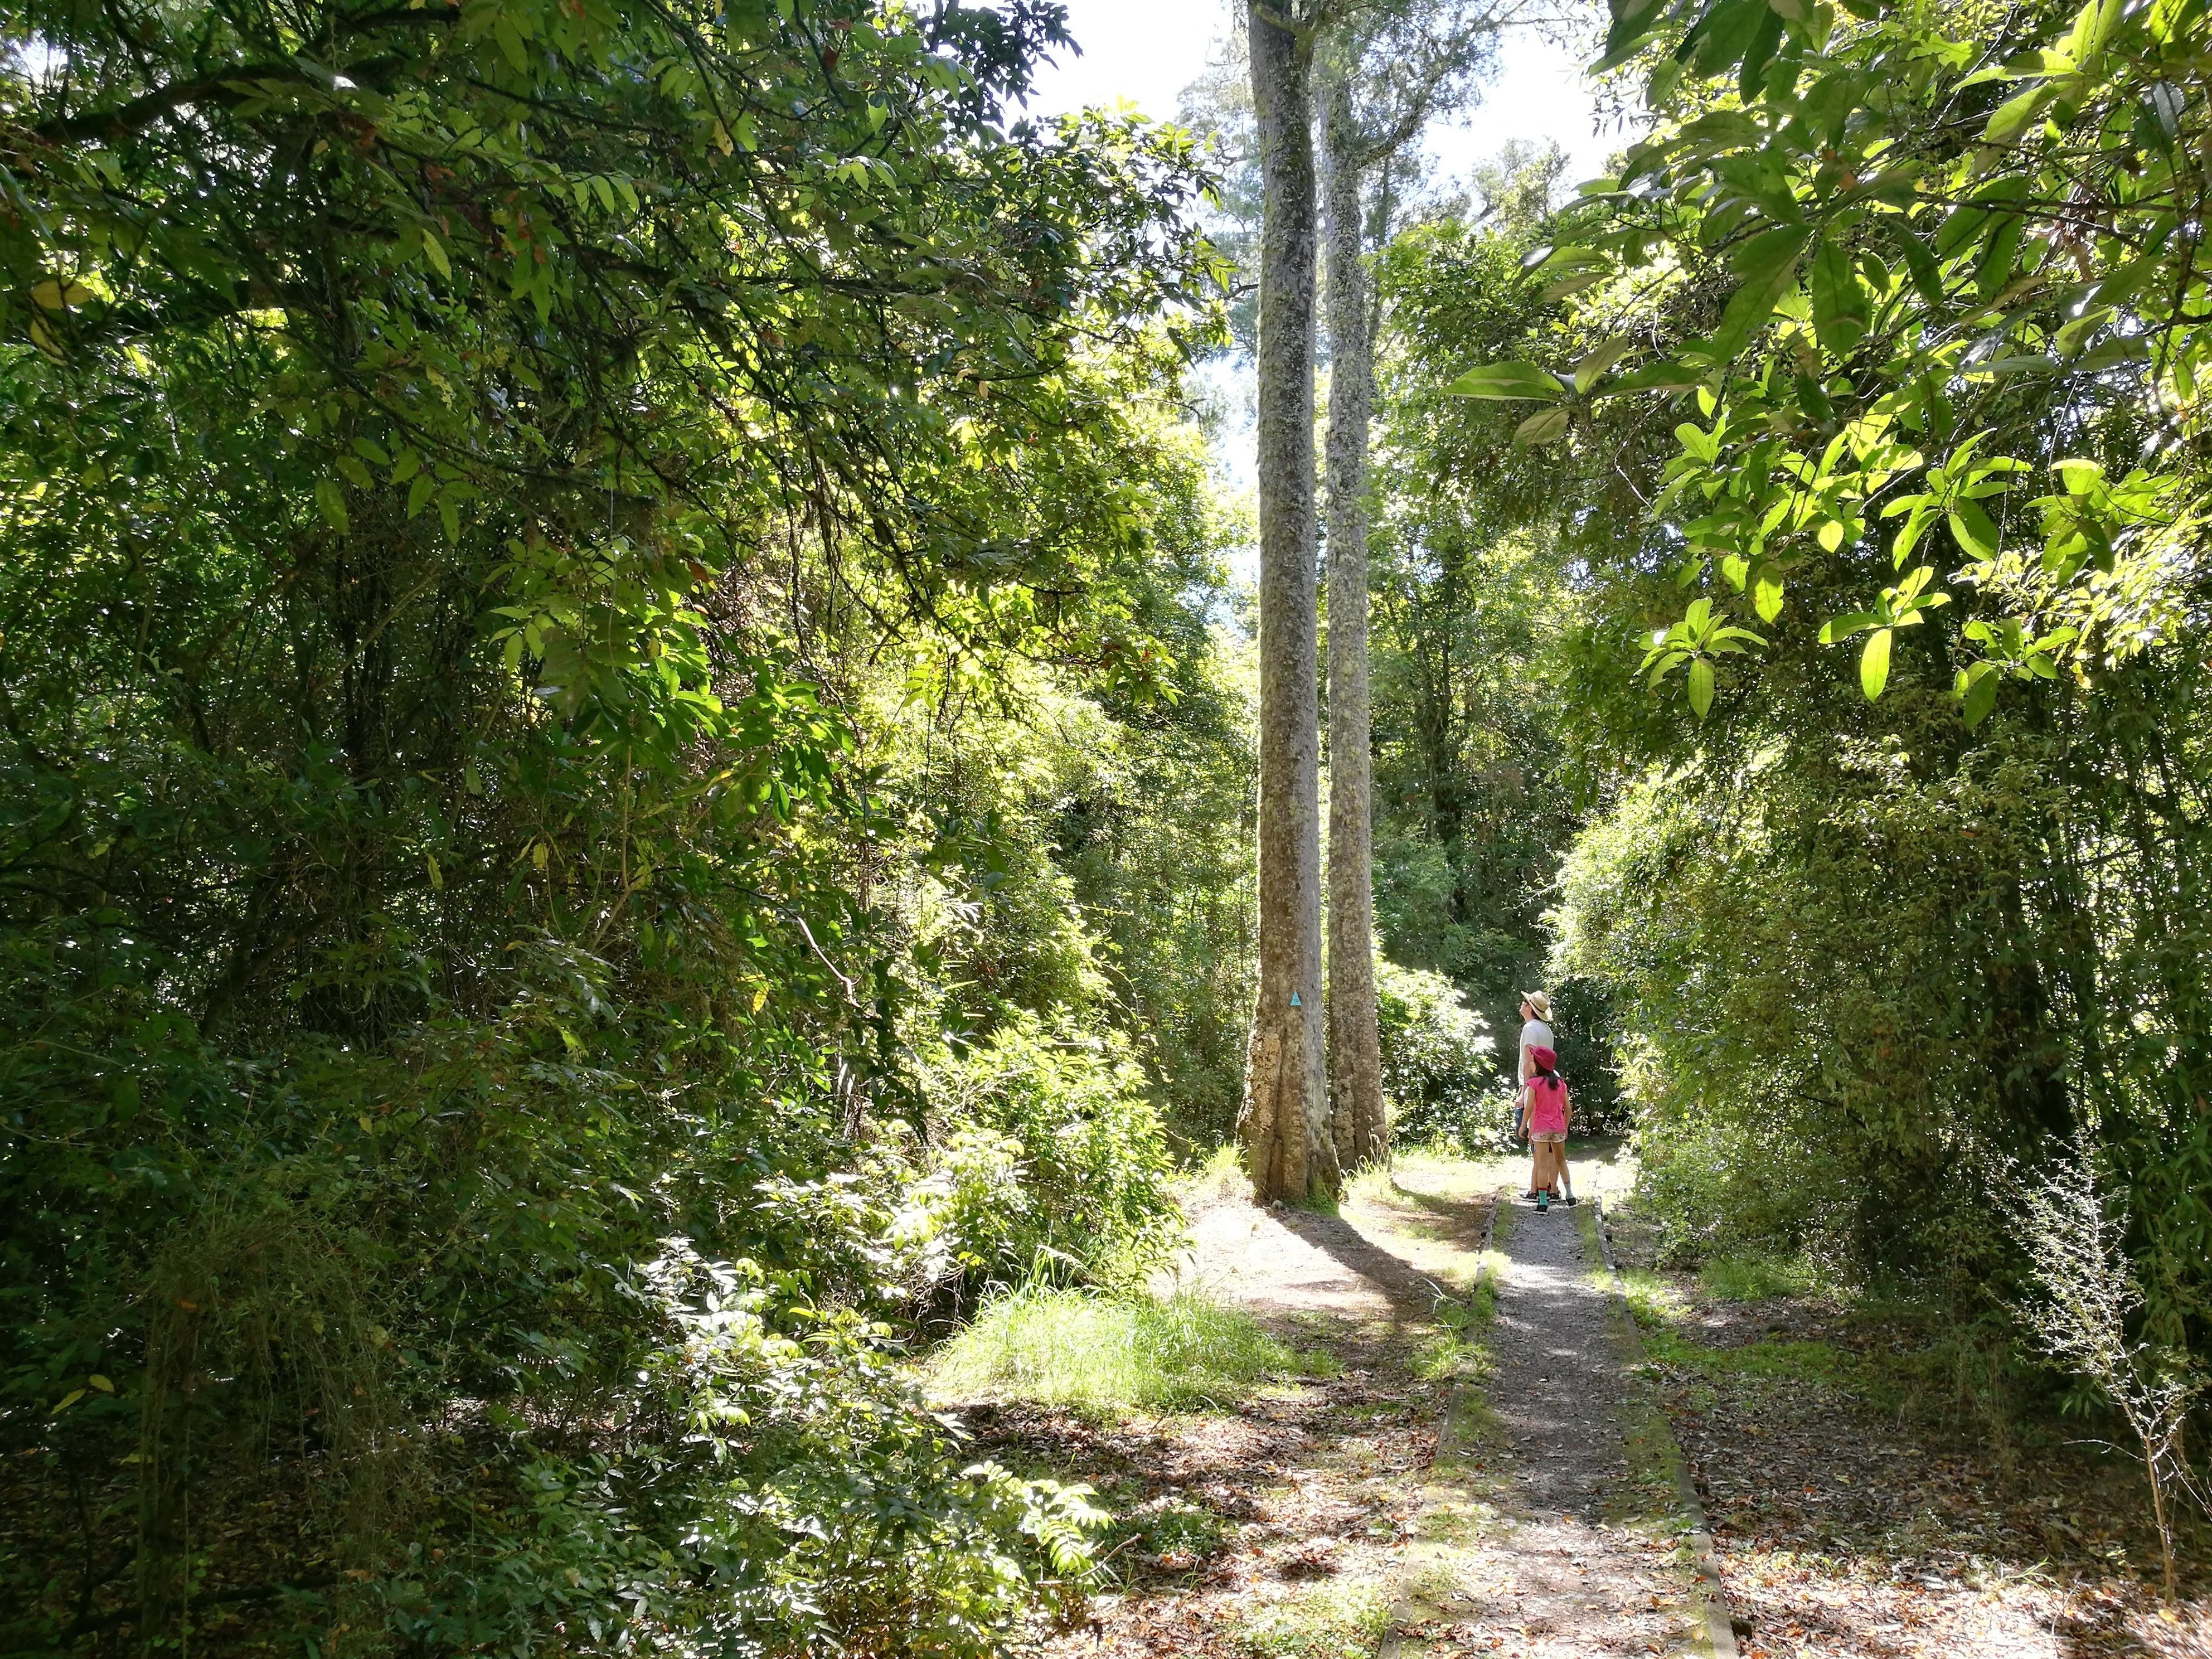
(1905, 605)
(2093, 521)
(1896, 221)
(1696, 640)
(2009, 650)
(1955, 494)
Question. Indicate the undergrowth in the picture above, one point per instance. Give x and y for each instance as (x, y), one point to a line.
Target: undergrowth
(1661, 1316)
(1753, 1277)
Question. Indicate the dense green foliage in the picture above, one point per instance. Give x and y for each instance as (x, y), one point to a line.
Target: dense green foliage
(1441, 1067)
(1485, 632)
(624, 799)
(593, 597)
(1865, 432)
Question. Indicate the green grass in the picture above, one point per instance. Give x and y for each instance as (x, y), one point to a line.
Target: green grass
(1220, 1176)
(1753, 1278)
(1373, 1183)
(1444, 1355)
(1316, 1621)
(1093, 1352)
(1482, 1304)
(1797, 1362)
(1175, 1535)
(1660, 1315)
(1654, 1303)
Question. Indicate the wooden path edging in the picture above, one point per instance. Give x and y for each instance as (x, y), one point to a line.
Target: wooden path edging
(1457, 1429)
(1454, 1431)
(1720, 1633)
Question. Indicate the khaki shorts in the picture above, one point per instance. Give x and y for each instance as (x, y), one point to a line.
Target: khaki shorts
(1549, 1137)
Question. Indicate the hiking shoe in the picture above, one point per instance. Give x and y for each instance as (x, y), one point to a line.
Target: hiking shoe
(1571, 1200)
(1543, 1202)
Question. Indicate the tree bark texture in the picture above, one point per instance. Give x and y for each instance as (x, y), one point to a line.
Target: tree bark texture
(1355, 1049)
(1289, 1149)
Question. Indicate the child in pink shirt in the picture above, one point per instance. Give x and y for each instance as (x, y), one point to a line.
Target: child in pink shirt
(1544, 1106)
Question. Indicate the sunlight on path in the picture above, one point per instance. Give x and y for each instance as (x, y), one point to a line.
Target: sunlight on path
(1462, 1472)
(1446, 1485)
(1539, 1533)
(1261, 1259)
(1557, 1542)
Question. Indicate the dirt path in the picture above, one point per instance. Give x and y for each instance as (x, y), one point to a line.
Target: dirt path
(1454, 1486)
(1479, 1471)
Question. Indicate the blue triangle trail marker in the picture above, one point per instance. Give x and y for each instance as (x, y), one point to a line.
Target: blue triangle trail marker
(1294, 999)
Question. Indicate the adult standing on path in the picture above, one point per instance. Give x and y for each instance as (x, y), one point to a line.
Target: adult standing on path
(1535, 1033)
(1535, 1029)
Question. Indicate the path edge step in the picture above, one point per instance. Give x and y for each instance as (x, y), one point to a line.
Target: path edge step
(1720, 1632)
(1452, 1431)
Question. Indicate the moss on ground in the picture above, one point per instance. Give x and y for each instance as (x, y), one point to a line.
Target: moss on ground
(1323, 1620)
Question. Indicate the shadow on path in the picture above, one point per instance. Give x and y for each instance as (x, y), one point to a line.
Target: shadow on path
(1407, 1287)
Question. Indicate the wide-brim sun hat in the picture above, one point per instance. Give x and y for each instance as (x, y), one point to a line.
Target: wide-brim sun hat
(1544, 1060)
(1540, 1002)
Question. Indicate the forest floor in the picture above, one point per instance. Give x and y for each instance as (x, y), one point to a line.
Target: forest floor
(1488, 1470)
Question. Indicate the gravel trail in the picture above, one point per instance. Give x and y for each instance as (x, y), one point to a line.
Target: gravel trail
(1573, 1556)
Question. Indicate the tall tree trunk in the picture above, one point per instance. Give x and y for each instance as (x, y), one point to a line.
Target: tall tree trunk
(1355, 1049)
(1288, 1148)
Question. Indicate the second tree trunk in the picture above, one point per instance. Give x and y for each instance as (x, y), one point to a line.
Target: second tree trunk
(1355, 1056)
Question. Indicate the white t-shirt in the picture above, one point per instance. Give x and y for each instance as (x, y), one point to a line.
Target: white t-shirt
(1534, 1035)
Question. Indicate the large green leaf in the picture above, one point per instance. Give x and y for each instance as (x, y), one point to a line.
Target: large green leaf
(1874, 663)
(1665, 375)
(1766, 594)
(1978, 692)
(1770, 255)
(1701, 686)
(1596, 362)
(1839, 302)
(1505, 381)
(1542, 428)
(1768, 263)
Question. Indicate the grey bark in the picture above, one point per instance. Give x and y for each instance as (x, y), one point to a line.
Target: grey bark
(1289, 1149)
(1355, 1049)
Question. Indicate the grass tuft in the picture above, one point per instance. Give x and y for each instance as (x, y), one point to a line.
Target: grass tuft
(1219, 1180)
(1790, 1362)
(1316, 1621)
(1753, 1278)
(1065, 1347)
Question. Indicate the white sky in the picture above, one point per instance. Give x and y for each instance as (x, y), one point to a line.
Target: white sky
(1148, 50)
